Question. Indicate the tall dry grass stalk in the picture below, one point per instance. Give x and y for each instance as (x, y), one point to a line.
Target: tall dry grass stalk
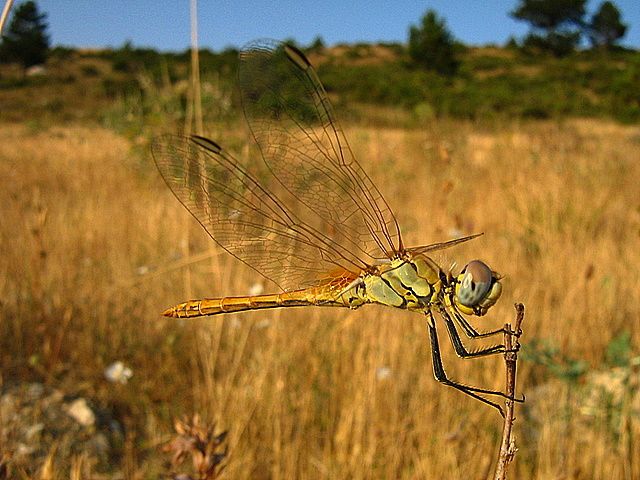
(315, 393)
(5, 14)
(193, 115)
(195, 71)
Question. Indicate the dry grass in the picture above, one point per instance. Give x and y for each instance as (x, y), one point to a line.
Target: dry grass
(91, 241)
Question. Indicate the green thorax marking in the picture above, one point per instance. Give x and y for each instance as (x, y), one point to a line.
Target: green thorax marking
(413, 283)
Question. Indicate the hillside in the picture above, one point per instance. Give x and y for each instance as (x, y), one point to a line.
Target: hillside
(492, 82)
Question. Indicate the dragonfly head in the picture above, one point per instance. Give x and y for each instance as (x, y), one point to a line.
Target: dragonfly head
(477, 288)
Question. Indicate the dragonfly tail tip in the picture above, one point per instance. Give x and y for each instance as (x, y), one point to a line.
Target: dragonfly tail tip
(170, 312)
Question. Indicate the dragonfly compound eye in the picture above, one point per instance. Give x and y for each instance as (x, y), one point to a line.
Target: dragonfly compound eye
(477, 288)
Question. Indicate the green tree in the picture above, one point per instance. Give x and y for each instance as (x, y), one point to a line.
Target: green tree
(432, 46)
(556, 24)
(606, 26)
(26, 40)
(317, 45)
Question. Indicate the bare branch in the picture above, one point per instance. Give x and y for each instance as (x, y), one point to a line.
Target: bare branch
(508, 445)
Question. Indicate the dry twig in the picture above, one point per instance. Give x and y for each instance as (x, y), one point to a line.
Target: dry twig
(508, 445)
(4, 467)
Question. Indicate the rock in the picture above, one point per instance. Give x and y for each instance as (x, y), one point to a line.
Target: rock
(39, 421)
(81, 412)
(118, 372)
(36, 70)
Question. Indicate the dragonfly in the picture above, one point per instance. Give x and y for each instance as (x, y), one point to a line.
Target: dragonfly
(307, 217)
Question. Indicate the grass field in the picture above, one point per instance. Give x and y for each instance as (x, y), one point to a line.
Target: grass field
(94, 247)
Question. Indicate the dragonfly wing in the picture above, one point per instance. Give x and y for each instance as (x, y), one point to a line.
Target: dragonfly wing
(292, 122)
(441, 245)
(247, 219)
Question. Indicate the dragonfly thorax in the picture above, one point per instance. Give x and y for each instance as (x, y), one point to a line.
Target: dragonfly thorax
(414, 284)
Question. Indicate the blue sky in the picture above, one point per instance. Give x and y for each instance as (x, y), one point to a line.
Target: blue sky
(164, 25)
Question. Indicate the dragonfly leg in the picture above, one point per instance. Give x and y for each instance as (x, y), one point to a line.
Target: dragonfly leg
(458, 345)
(441, 376)
(468, 328)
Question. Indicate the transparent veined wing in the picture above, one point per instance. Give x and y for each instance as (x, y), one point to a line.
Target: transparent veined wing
(248, 219)
(326, 223)
(293, 124)
(424, 249)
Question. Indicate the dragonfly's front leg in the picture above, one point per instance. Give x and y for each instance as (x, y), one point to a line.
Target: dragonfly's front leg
(467, 327)
(441, 376)
(458, 345)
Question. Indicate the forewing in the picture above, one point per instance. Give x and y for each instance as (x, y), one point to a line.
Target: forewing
(292, 121)
(434, 247)
(247, 219)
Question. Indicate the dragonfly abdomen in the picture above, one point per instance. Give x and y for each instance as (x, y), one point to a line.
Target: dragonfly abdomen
(216, 306)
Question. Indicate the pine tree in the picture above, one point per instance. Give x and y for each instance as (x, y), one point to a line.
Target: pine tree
(556, 24)
(606, 27)
(432, 46)
(26, 40)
